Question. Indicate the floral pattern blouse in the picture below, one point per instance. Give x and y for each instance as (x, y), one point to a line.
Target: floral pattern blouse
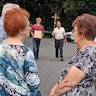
(18, 71)
(85, 61)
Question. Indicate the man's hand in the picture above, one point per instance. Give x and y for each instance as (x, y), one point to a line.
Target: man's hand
(65, 40)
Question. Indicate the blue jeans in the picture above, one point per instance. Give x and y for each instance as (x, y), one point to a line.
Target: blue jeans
(36, 45)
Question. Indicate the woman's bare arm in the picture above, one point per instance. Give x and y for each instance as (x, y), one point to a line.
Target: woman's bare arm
(72, 79)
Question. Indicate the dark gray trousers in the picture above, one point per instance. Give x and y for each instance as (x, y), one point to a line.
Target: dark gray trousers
(59, 48)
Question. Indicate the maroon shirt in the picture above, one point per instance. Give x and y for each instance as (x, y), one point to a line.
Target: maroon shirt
(36, 27)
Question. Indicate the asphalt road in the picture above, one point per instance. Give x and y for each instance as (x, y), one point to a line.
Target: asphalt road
(49, 67)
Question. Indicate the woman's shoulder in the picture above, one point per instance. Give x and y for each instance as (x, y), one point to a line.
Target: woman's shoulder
(22, 47)
(88, 51)
(42, 26)
(3, 47)
(29, 51)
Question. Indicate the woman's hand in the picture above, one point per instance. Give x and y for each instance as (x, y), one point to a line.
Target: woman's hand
(54, 91)
(71, 80)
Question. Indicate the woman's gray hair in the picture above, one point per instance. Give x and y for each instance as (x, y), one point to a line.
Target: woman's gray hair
(8, 7)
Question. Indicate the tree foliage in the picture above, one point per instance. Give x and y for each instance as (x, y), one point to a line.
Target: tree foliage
(1, 5)
(67, 10)
(73, 8)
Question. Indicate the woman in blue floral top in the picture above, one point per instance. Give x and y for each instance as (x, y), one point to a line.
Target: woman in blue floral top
(18, 69)
(79, 73)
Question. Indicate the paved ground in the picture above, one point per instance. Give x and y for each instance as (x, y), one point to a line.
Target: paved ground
(49, 67)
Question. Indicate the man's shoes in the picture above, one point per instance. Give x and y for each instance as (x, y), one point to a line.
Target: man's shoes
(57, 58)
(61, 59)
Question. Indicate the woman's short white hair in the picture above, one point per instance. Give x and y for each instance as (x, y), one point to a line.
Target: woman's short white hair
(8, 7)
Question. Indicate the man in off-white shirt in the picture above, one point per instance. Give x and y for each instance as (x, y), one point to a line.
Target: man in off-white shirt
(59, 36)
(95, 39)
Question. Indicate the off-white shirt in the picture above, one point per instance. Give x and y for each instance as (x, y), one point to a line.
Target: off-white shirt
(95, 39)
(59, 33)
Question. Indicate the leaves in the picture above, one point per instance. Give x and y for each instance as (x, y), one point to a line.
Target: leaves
(67, 10)
(1, 5)
(73, 8)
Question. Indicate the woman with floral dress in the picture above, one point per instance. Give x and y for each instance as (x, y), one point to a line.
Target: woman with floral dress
(18, 69)
(79, 73)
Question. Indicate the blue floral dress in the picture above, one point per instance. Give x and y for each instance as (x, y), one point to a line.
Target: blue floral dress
(85, 61)
(18, 71)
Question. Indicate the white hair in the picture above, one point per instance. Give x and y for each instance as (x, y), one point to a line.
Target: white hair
(8, 7)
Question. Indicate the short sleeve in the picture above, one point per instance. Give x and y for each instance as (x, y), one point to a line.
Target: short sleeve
(30, 63)
(43, 29)
(64, 31)
(31, 71)
(32, 28)
(54, 31)
(86, 62)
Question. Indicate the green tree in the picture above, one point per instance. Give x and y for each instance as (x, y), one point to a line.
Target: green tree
(67, 10)
(1, 5)
(73, 8)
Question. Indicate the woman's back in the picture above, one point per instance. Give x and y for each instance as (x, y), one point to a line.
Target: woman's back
(18, 71)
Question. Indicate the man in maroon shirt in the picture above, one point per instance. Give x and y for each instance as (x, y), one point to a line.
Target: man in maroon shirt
(37, 33)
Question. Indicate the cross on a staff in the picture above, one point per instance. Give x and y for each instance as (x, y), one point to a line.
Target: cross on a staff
(55, 17)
